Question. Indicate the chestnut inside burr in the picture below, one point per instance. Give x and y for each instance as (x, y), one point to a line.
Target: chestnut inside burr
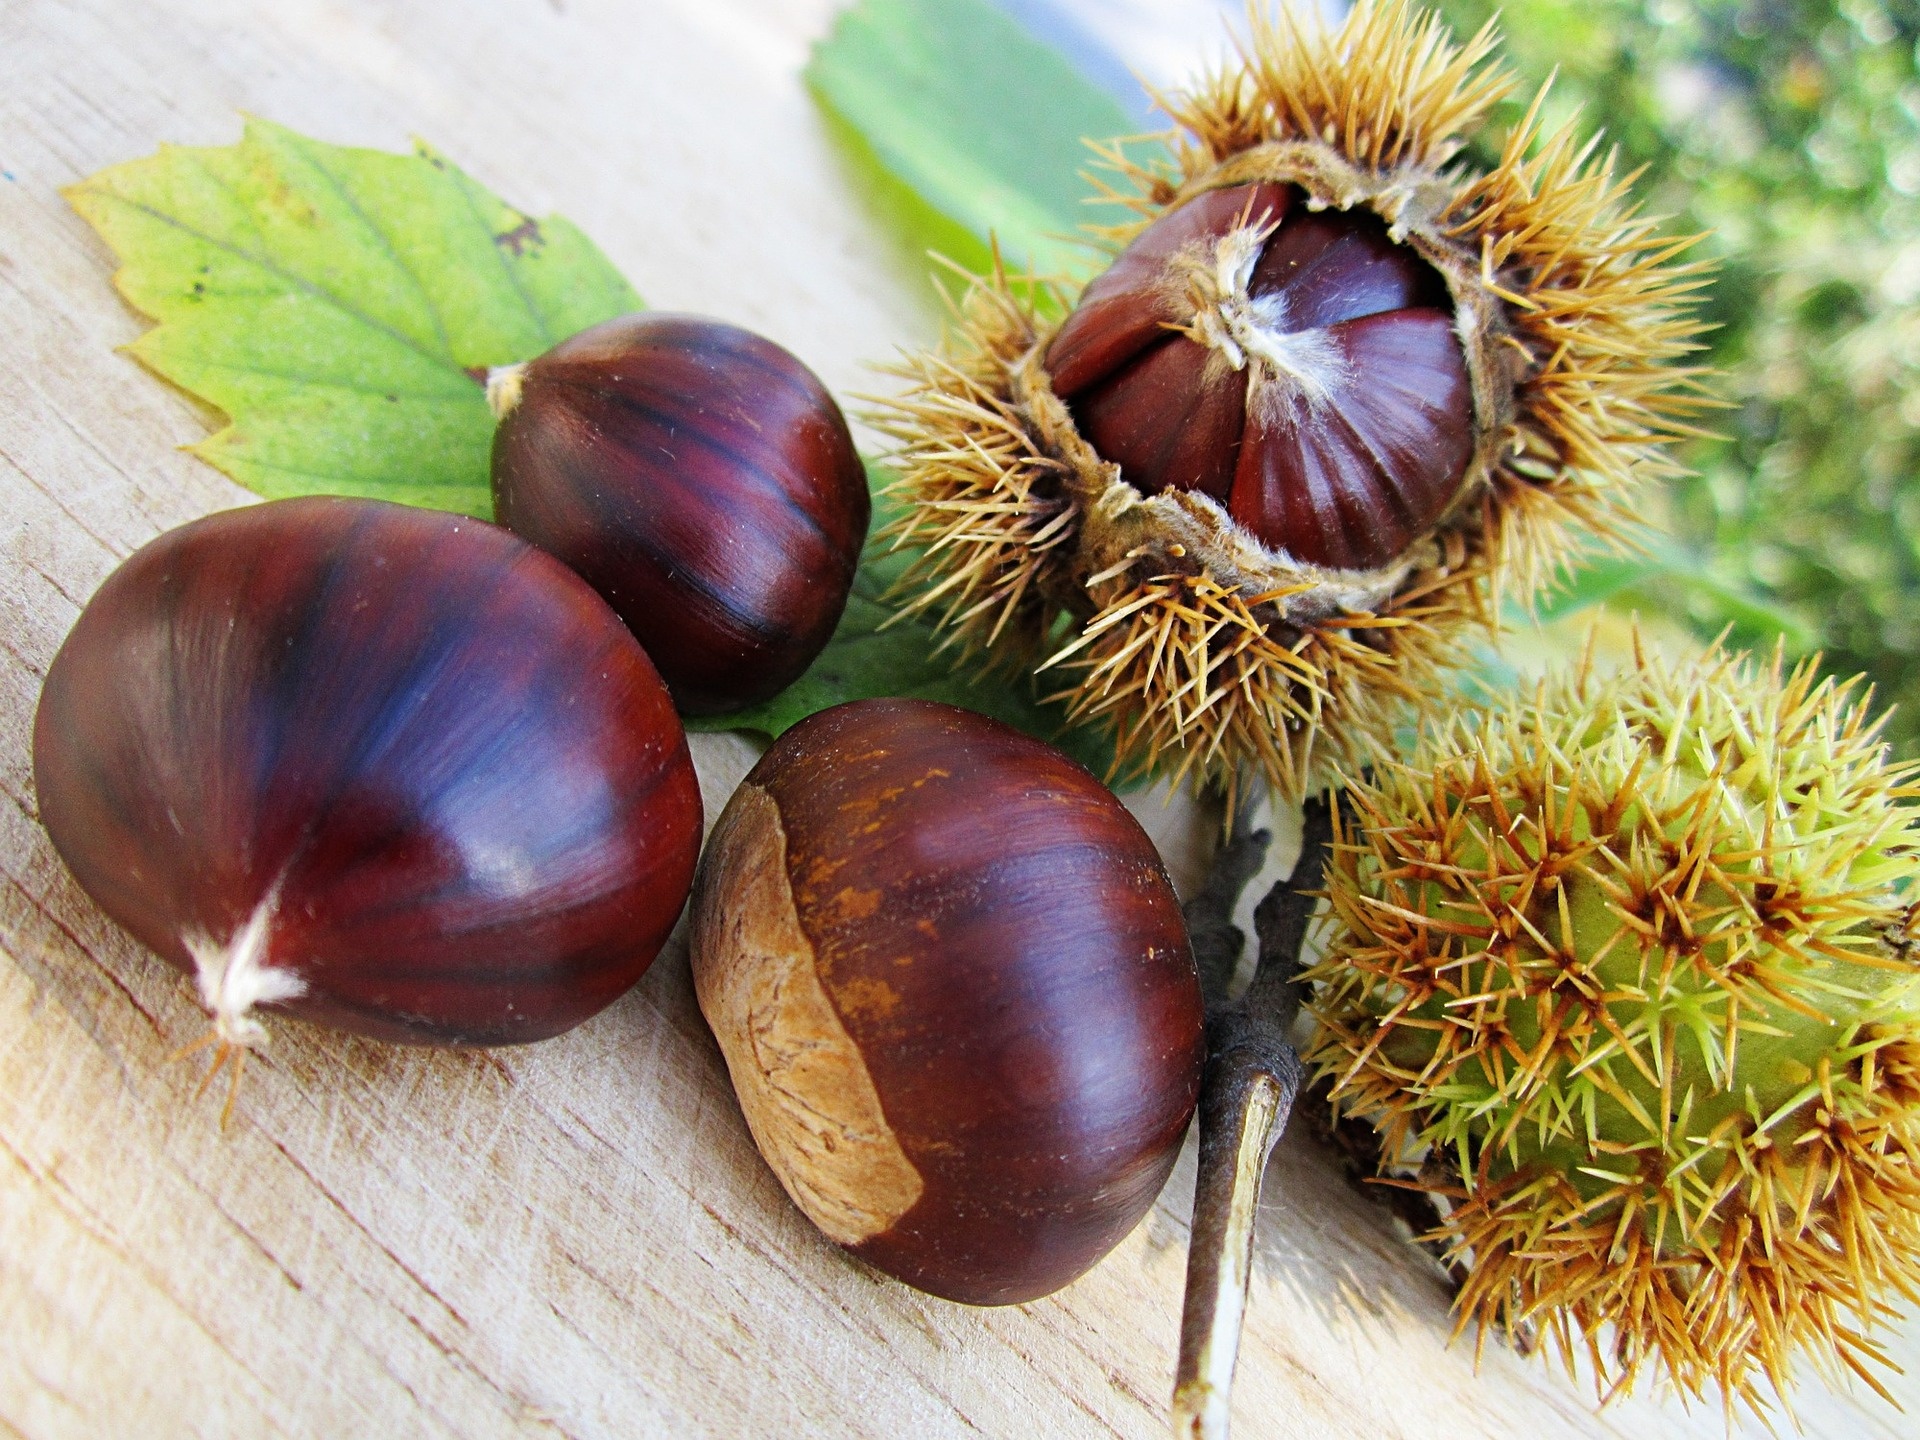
(1299, 366)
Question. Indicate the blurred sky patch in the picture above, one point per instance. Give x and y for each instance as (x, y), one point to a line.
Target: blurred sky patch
(1162, 42)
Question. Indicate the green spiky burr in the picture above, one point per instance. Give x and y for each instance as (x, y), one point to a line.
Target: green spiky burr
(1625, 974)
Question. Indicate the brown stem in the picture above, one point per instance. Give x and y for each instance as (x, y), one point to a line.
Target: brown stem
(1246, 1092)
(1216, 940)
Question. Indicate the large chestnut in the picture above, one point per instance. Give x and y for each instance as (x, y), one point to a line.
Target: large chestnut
(384, 768)
(953, 987)
(703, 481)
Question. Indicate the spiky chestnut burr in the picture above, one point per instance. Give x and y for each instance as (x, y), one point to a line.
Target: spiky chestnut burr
(1335, 390)
(1624, 974)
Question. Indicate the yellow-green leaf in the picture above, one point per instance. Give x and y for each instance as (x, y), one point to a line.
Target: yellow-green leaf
(341, 306)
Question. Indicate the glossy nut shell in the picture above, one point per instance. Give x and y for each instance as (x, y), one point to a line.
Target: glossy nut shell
(423, 754)
(953, 987)
(1320, 394)
(704, 482)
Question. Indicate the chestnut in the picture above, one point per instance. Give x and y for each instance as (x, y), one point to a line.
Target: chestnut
(953, 987)
(703, 481)
(1300, 366)
(389, 769)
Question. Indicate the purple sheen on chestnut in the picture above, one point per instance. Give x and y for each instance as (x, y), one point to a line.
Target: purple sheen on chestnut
(954, 990)
(1298, 366)
(703, 481)
(388, 769)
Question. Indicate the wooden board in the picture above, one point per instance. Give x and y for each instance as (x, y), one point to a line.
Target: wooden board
(577, 1238)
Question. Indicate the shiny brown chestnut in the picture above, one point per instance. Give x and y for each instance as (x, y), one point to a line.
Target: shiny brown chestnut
(703, 481)
(953, 987)
(388, 769)
(1299, 366)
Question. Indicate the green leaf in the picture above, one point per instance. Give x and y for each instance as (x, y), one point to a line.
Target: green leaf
(341, 306)
(981, 125)
(1667, 576)
(874, 653)
(967, 133)
(1600, 578)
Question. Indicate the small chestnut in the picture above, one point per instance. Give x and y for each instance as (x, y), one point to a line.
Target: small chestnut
(389, 769)
(703, 481)
(953, 987)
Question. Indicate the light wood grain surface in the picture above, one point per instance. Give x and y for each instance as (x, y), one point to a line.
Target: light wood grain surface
(576, 1238)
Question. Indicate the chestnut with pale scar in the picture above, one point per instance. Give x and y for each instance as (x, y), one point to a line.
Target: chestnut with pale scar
(387, 769)
(802, 1082)
(953, 988)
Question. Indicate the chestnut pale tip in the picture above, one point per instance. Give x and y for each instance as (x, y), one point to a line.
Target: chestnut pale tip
(377, 767)
(234, 978)
(504, 383)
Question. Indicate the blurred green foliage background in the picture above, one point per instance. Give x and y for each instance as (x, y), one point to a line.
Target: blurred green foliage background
(1787, 133)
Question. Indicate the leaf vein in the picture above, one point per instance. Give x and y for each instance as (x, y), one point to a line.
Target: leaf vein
(467, 186)
(293, 281)
(386, 245)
